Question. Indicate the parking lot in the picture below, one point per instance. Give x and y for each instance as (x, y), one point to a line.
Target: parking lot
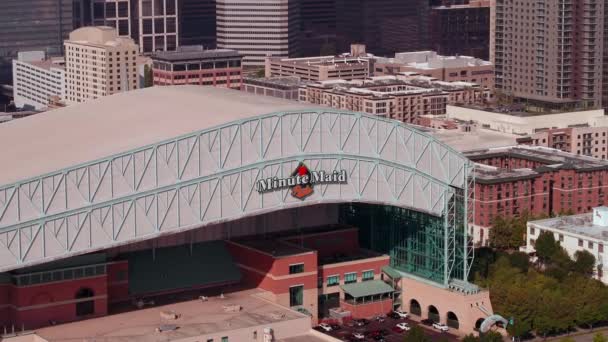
(345, 332)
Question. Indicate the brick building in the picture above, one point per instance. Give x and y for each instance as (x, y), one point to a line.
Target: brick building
(194, 65)
(404, 97)
(511, 181)
(586, 141)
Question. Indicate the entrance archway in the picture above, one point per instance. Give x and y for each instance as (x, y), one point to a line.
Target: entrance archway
(434, 314)
(452, 320)
(478, 323)
(85, 307)
(415, 308)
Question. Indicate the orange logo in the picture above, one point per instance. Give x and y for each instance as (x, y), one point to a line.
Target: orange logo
(301, 191)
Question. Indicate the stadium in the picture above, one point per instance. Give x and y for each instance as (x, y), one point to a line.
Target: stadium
(230, 215)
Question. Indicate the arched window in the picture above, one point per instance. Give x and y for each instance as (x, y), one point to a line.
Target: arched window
(415, 308)
(452, 320)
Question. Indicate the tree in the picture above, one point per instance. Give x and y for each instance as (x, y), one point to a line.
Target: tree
(566, 339)
(416, 334)
(507, 233)
(148, 76)
(491, 336)
(599, 337)
(520, 260)
(470, 338)
(584, 263)
(545, 246)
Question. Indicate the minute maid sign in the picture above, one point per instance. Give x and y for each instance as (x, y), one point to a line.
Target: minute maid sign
(301, 181)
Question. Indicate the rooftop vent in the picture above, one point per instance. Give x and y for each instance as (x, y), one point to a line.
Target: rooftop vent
(600, 216)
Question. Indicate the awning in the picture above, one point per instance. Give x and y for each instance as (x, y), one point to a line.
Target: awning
(367, 288)
(391, 272)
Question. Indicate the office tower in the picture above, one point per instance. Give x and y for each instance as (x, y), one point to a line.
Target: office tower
(32, 25)
(384, 26)
(318, 26)
(37, 79)
(461, 29)
(549, 53)
(99, 63)
(259, 28)
(197, 23)
(153, 24)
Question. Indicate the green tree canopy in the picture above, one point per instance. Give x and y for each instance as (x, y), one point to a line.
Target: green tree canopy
(416, 334)
(599, 337)
(584, 263)
(546, 246)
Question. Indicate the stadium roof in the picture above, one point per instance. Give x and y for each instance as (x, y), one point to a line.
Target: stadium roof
(85, 132)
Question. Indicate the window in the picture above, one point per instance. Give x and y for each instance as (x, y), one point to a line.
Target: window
(590, 244)
(531, 230)
(296, 295)
(532, 242)
(333, 280)
(350, 278)
(561, 237)
(296, 268)
(580, 242)
(600, 248)
(368, 275)
(225, 339)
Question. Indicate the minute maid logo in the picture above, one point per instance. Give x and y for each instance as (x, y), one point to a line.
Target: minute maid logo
(301, 181)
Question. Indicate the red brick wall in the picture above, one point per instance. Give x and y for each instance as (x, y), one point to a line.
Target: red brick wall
(368, 310)
(118, 281)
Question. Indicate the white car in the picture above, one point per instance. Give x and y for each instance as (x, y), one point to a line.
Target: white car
(325, 327)
(358, 336)
(401, 313)
(403, 326)
(440, 326)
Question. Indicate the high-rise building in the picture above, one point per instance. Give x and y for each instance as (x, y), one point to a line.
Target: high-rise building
(461, 29)
(99, 63)
(37, 79)
(549, 53)
(153, 24)
(384, 26)
(259, 28)
(197, 23)
(318, 25)
(32, 25)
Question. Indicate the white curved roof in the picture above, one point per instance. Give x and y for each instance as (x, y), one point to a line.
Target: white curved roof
(80, 133)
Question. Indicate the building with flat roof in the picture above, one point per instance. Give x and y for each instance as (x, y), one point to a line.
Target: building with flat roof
(582, 232)
(403, 97)
(510, 181)
(287, 87)
(259, 28)
(37, 79)
(443, 68)
(312, 69)
(557, 66)
(99, 63)
(516, 119)
(195, 65)
(582, 140)
(461, 29)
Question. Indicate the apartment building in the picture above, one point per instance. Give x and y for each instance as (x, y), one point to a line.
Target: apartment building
(99, 63)
(444, 68)
(259, 28)
(550, 52)
(195, 65)
(581, 140)
(461, 29)
(37, 79)
(511, 181)
(403, 97)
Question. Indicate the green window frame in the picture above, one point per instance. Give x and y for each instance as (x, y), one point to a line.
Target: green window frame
(350, 278)
(296, 268)
(368, 275)
(333, 280)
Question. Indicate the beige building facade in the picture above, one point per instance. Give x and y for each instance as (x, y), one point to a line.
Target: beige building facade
(99, 63)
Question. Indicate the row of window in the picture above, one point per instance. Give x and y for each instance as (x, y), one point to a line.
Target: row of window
(334, 280)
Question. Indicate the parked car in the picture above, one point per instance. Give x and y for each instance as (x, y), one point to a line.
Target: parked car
(427, 321)
(401, 314)
(379, 338)
(380, 318)
(403, 326)
(441, 327)
(358, 336)
(397, 330)
(361, 322)
(326, 327)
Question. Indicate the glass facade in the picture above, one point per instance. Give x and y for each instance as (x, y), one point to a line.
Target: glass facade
(333, 280)
(296, 295)
(350, 278)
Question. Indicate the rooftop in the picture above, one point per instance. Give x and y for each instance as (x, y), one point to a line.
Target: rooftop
(427, 60)
(196, 319)
(194, 52)
(580, 224)
(476, 139)
(323, 60)
(113, 124)
(287, 81)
